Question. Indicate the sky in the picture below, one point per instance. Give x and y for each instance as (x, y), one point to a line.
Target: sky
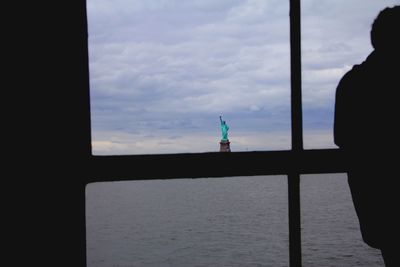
(163, 71)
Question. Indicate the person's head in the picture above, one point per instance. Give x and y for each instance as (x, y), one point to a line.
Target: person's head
(385, 31)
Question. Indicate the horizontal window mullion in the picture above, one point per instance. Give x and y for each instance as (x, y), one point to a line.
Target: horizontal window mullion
(196, 165)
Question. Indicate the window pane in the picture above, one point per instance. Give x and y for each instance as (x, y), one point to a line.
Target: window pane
(236, 221)
(330, 231)
(162, 72)
(335, 36)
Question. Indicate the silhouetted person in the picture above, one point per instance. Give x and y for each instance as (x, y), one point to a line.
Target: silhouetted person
(366, 128)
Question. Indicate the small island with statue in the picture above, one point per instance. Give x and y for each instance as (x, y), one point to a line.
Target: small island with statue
(224, 143)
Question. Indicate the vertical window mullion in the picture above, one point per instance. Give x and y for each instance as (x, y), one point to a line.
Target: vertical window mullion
(297, 136)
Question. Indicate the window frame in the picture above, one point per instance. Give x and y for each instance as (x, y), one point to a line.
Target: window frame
(292, 163)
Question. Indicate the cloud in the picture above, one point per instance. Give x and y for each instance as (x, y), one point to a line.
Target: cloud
(335, 36)
(122, 143)
(171, 67)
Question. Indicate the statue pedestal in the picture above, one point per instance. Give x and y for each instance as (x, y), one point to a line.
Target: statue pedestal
(224, 146)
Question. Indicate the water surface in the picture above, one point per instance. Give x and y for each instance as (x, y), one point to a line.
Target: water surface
(238, 221)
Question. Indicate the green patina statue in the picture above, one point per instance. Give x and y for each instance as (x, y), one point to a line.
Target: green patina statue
(224, 129)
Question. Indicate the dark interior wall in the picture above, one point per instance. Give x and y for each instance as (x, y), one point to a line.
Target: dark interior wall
(48, 121)
(71, 95)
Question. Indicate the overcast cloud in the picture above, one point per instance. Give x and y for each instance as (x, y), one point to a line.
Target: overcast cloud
(162, 71)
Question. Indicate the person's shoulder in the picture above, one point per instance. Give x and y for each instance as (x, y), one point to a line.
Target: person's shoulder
(360, 69)
(351, 81)
(350, 75)
(354, 71)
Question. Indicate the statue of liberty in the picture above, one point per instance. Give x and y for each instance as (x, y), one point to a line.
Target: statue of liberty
(224, 129)
(224, 144)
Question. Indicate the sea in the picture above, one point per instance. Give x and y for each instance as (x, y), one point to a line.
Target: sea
(230, 221)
